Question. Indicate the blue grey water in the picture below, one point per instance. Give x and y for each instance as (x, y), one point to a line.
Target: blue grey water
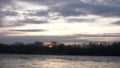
(58, 61)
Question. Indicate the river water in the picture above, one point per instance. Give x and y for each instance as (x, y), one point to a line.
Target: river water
(58, 61)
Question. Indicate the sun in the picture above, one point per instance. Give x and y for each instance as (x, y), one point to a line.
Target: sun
(50, 46)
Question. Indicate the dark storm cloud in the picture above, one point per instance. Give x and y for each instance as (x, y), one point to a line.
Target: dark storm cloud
(29, 30)
(116, 23)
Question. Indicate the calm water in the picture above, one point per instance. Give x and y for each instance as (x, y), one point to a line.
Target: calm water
(52, 61)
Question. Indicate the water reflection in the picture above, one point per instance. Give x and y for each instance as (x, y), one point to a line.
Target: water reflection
(50, 61)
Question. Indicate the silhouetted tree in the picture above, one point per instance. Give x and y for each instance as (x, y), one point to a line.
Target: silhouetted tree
(39, 48)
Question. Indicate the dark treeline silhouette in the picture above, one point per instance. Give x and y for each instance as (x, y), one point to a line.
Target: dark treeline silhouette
(106, 49)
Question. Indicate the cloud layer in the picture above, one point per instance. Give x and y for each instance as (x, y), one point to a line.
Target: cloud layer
(67, 18)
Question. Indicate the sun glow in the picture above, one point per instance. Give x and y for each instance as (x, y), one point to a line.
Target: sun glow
(50, 46)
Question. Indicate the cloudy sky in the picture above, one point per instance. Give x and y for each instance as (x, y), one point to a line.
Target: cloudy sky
(59, 20)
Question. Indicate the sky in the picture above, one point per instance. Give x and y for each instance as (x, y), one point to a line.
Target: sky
(59, 20)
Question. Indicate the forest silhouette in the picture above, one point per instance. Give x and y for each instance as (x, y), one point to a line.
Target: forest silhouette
(97, 49)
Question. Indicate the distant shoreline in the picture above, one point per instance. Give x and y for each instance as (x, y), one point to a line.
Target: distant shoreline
(62, 55)
(38, 48)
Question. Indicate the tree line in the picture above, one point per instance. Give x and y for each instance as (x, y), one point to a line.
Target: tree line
(103, 48)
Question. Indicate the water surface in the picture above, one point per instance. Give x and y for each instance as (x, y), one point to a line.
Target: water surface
(58, 61)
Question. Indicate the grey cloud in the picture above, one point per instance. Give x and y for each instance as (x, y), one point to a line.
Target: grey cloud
(6, 33)
(3, 14)
(7, 13)
(39, 13)
(86, 9)
(82, 7)
(32, 21)
(67, 8)
(10, 13)
(28, 30)
(98, 35)
(72, 38)
(1, 24)
(44, 2)
(5, 2)
(30, 39)
(9, 25)
(105, 35)
(104, 2)
(3, 33)
(80, 20)
(42, 13)
(116, 23)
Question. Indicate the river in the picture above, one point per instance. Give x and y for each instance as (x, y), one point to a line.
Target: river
(58, 61)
